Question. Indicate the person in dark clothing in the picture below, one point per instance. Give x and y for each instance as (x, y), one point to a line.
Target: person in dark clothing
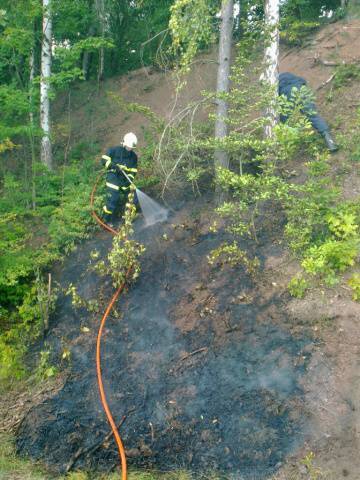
(117, 160)
(287, 83)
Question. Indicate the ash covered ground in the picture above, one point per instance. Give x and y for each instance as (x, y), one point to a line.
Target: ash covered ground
(204, 366)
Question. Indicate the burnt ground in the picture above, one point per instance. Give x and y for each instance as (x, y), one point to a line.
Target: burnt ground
(207, 367)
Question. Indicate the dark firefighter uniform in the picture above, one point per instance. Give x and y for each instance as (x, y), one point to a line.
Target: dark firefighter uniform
(116, 160)
(288, 82)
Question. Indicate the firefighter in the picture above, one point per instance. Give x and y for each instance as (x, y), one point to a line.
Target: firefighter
(117, 160)
(287, 83)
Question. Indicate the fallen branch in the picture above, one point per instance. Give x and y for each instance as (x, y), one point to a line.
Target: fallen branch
(316, 59)
(330, 79)
(93, 448)
(199, 350)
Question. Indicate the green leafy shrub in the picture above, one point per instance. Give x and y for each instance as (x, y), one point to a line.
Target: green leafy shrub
(329, 258)
(344, 74)
(294, 32)
(354, 283)
(45, 369)
(298, 286)
(233, 255)
(30, 240)
(123, 258)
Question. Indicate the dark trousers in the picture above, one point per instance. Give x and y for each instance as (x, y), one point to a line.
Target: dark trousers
(315, 119)
(113, 199)
(310, 111)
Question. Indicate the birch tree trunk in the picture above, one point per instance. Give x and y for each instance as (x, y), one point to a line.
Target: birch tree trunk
(100, 7)
(31, 118)
(272, 17)
(46, 151)
(31, 83)
(223, 80)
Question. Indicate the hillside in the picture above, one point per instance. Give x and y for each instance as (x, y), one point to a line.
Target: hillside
(216, 369)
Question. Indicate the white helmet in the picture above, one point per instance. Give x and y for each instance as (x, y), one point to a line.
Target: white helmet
(130, 140)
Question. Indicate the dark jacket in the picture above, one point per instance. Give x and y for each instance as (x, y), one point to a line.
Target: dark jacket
(118, 159)
(288, 81)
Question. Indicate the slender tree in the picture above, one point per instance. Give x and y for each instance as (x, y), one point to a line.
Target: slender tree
(353, 8)
(46, 151)
(272, 16)
(100, 9)
(223, 79)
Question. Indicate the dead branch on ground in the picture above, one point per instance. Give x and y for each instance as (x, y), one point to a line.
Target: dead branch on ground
(330, 79)
(94, 447)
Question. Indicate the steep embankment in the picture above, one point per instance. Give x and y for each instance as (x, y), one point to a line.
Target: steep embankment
(214, 369)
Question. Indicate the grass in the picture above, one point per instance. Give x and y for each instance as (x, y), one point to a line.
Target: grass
(14, 468)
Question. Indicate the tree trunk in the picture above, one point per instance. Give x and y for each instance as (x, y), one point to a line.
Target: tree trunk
(31, 84)
(223, 80)
(46, 151)
(86, 55)
(100, 7)
(272, 17)
(353, 9)
(31, 130)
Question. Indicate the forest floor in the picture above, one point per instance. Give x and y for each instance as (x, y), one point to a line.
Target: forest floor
(215, 370)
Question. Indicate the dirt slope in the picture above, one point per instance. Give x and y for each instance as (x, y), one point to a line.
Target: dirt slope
(271, 379)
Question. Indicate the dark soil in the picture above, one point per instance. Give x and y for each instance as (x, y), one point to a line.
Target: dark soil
(203, 364)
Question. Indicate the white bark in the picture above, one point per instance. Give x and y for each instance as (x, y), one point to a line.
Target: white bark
(223, 80)
(272, 17)
(31, 82)
(46, 151)
(100, 8)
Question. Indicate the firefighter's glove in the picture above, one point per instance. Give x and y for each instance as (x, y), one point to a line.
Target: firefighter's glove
(106, 161)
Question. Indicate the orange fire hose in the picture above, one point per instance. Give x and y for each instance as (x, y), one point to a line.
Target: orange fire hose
(104, 402)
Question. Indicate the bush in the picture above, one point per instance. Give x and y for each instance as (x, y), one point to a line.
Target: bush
(30, 239)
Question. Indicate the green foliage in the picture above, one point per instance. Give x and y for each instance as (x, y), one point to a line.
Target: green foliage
(45, 369)
(191, 27)
(323, 230)
(21, 325)
(79, 302)
(344, 74)
(329, 258)
(354, 283)
(13, 467)
(11, 356)
(67, 60)
(298, 286)
(314, 472)
(30, 239)
(295, 32)
(169, 152)
(139, 31)
(299, 18)
(350, 139)
(231, 254)
(123, 258)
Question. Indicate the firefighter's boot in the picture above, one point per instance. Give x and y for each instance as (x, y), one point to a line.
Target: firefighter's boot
(330, 143)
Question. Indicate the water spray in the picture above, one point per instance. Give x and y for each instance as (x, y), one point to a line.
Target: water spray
(152, 211)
